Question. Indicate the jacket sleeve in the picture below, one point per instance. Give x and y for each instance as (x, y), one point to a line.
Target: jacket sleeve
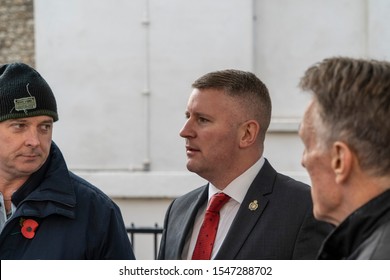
(116, 245)
(99, 232)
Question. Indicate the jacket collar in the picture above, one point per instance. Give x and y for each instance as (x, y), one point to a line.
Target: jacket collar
(50, 184)
(356, 228)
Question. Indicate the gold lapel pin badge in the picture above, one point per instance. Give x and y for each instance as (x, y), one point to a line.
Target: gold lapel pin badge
(253, 205)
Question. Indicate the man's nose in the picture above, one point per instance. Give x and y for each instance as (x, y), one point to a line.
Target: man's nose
(32, 138)
(187, 131)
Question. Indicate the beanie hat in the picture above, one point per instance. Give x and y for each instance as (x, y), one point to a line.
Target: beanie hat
(24, 93)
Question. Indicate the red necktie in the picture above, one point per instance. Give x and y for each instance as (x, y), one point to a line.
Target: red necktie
(205, 242)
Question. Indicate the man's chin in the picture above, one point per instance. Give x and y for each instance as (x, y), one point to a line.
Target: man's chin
(30, 168)
(192, 167)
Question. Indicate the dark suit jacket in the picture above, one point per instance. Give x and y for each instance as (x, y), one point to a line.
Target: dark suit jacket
(282, 227)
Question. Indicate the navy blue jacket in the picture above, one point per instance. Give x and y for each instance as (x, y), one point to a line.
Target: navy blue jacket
(75, 219)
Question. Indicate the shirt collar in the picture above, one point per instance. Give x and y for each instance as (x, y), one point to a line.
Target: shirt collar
(238, 188)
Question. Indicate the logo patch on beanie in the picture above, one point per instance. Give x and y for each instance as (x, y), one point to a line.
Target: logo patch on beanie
(25, 103)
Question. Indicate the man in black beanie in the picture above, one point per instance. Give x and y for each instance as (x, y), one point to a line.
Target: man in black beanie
(46, 211)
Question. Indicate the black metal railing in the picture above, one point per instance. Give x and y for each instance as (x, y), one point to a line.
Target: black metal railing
(155, 231)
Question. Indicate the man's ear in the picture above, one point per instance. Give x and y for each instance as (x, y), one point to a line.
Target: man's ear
(342, 161)
(249, 131)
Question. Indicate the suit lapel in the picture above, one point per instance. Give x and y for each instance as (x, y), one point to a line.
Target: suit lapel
(249, 213)
(187, 218)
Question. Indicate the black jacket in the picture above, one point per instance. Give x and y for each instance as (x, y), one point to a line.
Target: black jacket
(75, 219)
(364, 235)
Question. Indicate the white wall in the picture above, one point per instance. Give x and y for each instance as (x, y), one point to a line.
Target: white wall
(121, 71)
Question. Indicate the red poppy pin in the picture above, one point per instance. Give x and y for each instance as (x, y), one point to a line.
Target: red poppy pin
(29, 227)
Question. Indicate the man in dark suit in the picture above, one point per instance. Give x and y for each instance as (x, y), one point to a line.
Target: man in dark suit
(267, 215)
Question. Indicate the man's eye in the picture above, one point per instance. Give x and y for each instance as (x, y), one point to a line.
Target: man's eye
(45, 127)
(18, 125)
(203, 120)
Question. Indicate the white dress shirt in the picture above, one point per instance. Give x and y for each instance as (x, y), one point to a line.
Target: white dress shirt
(237, 190)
